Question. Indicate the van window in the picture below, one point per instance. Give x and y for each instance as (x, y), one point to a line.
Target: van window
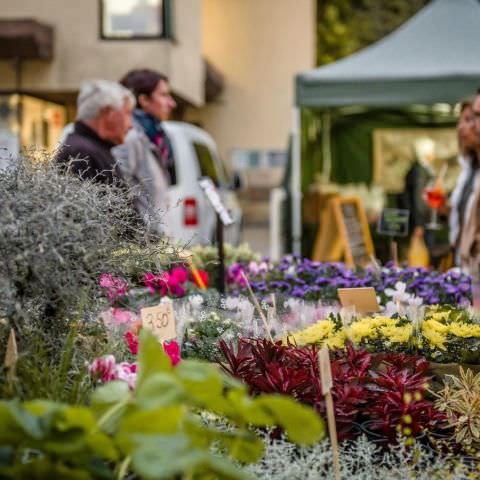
(208, 167)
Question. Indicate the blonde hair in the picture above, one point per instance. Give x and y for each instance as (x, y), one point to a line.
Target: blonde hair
(424, 148)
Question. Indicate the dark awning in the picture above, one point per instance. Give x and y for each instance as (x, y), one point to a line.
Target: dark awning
(214, 82)
(26, 39)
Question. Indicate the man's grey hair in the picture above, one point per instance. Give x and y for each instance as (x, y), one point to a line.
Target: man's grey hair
(97, 94)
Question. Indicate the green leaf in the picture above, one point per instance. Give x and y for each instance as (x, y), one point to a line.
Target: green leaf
(26, 421)
(75, 418)
(111, 392)
(300, 422)
(102, 446)
(10, 431)
(243, 446)
(246, 410)
(151, 357)
(160, 390)
(201, 380)
(163, 457)
(148, 422)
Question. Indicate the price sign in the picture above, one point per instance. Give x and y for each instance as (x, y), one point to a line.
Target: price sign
(393, 222)
(213, 197)
(160, 320)
(364, 299)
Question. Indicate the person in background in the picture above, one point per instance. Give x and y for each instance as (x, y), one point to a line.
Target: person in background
(418, 177)
(155, 104)
(145, 158)
(468, 201)
(104, 116)
(468, 182)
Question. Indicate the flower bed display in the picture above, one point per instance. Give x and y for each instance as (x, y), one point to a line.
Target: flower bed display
(309, 280)
(443, 334)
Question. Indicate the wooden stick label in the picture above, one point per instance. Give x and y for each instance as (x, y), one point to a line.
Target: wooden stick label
(160, 320)
(325, 370)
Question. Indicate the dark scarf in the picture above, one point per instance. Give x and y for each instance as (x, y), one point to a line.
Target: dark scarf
(157, 135)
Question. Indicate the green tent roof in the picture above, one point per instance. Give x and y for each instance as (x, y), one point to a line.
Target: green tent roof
(432, 58)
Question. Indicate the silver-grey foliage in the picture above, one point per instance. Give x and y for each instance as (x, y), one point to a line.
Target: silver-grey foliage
(57, 234)
(360, 460)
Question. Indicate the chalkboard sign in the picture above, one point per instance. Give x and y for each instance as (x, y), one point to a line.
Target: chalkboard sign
(393, 222)
(354, 231)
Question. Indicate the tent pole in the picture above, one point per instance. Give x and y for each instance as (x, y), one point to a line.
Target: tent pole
(326, 146)
(296, 183)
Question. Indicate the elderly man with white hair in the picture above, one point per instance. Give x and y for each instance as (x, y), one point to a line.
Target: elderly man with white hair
(104, 116)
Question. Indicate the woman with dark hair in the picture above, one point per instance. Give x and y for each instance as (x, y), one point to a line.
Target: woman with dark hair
(145, 159)
(468, 182)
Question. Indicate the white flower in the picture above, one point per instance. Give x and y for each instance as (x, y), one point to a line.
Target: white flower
(398, 294)
(196, 301)
(390, 309)
(414, 301)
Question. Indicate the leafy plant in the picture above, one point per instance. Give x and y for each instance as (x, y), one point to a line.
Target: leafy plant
(397, 401)
(268, 367)
(201, 337)
(460, 401)
(155, 432)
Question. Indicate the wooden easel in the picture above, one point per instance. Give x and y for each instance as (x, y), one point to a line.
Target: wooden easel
(342, 237)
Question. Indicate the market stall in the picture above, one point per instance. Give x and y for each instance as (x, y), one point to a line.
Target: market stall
(349, 114)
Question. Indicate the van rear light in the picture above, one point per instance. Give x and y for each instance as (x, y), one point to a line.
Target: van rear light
(190, 214)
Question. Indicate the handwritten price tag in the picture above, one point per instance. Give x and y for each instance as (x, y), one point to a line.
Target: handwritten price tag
(160, 320)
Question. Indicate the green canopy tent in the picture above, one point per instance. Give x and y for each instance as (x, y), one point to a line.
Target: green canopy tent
(431, 59)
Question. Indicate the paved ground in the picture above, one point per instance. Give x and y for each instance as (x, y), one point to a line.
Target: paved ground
(257, 236)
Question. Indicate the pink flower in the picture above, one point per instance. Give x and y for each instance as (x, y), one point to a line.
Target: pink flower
(156, 283)
(115, 287)
(122, 316)
(106, 369)
(180, 274)
(132, 341)
(103, 368)
(172, 349)
(127, 372)
(234, 275)
(167, 283)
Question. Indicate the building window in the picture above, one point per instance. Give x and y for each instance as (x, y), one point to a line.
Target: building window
(134, 19)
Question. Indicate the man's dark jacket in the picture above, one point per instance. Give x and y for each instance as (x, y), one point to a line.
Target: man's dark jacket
(88, 155)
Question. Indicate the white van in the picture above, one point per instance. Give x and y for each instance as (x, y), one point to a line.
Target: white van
(191, 220)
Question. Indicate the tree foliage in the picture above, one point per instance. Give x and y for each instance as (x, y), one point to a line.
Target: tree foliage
(345, 26)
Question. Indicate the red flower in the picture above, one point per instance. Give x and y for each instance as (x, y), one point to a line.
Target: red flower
(172, 349)
(132, 341)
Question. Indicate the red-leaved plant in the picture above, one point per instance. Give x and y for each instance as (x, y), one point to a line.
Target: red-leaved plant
(387, 389)
(268, 367)
(397, 397)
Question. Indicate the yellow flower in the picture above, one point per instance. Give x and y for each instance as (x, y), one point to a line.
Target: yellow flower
(316, 333)
(397, 334)
(336, 341)
(435, 333)
(464, 330)
(379, 327)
